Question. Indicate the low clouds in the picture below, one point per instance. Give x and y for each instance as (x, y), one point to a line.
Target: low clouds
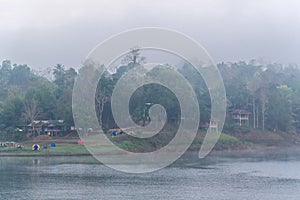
(43, 33)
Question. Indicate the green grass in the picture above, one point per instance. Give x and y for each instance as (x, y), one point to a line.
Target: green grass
(59, 150)
(62, 149)
(223, 142)
(127, 144)
(226, 139)
(69, 147)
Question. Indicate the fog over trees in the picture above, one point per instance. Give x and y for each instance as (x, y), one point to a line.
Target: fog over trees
(270, 92)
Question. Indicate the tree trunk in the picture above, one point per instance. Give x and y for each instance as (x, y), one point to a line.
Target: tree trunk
(263, 100)
(253, 112)
(263, 109)
(256, 116)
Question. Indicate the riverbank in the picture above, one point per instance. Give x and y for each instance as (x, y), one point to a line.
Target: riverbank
(68, 146)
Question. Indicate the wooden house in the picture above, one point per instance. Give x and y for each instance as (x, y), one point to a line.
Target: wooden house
(240, 117)
(47, 127)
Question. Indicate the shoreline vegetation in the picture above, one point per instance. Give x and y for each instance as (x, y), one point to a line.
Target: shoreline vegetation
(263, 107)
(68, 145)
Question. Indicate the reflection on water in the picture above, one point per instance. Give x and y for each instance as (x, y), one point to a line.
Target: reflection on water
(48, 178)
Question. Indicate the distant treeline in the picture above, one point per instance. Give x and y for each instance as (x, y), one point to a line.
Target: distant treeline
(270, 92)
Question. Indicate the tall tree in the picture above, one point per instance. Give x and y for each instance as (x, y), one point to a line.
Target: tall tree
(279, 110)
(31, 112)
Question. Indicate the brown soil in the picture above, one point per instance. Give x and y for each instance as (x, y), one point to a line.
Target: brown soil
(265, 138)
(41, 138)
(72, 135)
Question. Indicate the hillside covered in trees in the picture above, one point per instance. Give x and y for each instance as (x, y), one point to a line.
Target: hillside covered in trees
(26, 96)
(270, 93)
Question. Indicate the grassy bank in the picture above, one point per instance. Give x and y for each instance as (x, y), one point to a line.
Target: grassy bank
(66, 146)
(69, 146)
(63, 150)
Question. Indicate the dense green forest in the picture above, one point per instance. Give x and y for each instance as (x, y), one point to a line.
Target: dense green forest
(271, 93)
(26, 96)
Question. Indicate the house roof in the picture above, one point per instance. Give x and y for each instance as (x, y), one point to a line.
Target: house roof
(48, 122)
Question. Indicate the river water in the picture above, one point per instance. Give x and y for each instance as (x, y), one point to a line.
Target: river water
(229, 178)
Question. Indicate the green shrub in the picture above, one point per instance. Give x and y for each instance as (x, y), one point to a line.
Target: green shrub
(235, 128)
(227, 139)
(126, 145)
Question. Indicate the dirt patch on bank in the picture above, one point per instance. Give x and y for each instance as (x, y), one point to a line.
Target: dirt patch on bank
(42, 138)
(265, 138)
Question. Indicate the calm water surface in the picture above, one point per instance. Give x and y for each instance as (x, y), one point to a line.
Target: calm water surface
(231, 178)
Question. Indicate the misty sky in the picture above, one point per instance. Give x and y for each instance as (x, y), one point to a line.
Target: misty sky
(44, 33)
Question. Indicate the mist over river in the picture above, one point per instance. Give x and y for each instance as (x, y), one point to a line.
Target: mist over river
(271, 175)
